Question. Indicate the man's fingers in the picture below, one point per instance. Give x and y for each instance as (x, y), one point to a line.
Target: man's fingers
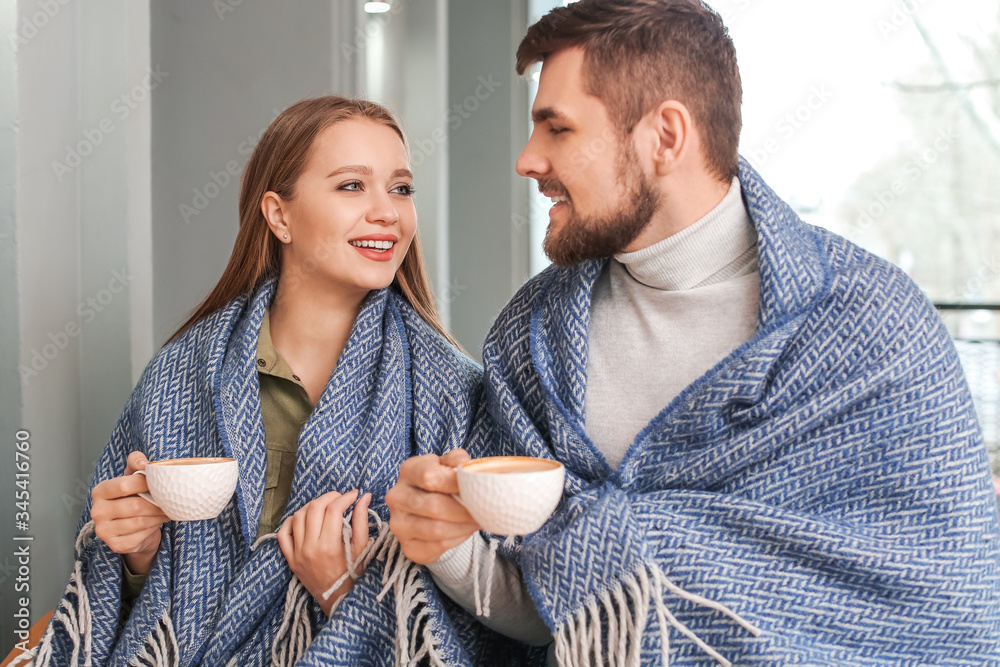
(440, 506)
(425, 553)
(427, 473)
(409, 527)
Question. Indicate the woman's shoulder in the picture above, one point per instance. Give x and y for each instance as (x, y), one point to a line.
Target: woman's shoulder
(193, 352)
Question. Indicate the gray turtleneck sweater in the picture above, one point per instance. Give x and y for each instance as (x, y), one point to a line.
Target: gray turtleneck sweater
(661, 317)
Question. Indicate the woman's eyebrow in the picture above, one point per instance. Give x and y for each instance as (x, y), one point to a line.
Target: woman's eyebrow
(365, 170)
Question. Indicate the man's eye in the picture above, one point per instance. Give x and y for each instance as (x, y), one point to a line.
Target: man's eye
(557, 130)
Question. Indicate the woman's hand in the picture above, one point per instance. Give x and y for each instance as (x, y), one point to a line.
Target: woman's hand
(128, 524)
(312, 540)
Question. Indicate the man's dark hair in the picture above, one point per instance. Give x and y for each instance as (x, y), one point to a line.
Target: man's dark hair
(640, 53)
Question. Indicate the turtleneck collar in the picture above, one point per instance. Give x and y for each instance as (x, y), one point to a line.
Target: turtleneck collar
(713, 249)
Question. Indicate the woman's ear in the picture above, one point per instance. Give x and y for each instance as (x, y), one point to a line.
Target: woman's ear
(273, 207)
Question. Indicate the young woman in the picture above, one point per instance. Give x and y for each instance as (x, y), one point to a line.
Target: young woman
(320, 364)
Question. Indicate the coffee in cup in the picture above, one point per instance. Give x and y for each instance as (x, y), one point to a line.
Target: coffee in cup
(191, 489)
(511, 495)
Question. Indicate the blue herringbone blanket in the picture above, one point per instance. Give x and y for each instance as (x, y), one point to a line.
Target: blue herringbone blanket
(825, 484)
(215, 598)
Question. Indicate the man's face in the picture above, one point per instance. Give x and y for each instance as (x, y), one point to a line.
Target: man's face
(602, 199)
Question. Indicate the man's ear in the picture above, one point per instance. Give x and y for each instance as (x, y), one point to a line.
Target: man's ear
(671, 128)
(274, 209)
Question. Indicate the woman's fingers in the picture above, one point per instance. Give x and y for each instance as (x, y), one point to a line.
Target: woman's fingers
(298, 521)
(359, 525)
(136, 461)
(285, 540)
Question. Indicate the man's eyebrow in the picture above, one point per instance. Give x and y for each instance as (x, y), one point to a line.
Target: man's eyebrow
(546, 113)
(352, 168)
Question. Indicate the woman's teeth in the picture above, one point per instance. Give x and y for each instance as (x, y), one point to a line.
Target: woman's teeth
(377, 246)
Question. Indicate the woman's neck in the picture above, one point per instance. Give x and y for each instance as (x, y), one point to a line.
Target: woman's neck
(310, 325)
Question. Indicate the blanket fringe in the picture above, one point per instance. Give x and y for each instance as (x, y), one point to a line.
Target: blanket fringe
(402, 576)
(161, 649)
(483, 604)
(75, 619)
(579, 641)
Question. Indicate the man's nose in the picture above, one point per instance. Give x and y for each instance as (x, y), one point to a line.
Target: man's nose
(531, 163)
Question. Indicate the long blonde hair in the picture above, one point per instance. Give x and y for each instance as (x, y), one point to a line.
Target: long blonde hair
(275, 165)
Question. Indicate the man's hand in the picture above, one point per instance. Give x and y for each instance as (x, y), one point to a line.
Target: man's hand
(312, 541)
(424, 517)
(128, 524)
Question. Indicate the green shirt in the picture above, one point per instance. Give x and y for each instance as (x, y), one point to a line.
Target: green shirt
(285, 406)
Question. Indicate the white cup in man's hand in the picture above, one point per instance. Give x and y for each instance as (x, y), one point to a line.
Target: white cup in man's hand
(190, 489)
(510, 495)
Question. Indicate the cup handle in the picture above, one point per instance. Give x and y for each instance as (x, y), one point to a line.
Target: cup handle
(143, 494)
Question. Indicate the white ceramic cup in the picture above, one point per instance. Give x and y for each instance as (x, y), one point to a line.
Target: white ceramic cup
(510, 495)
(190, 489)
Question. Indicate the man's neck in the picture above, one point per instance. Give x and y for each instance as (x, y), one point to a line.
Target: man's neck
(684, 201)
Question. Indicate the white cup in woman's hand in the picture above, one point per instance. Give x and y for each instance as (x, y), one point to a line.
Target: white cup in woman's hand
(191, 489)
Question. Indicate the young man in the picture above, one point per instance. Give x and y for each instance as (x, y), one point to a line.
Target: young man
(769, 442)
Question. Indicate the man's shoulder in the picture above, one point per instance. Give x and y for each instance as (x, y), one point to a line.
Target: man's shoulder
(856, 273)
(518, 310)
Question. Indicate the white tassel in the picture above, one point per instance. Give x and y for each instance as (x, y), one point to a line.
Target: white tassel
(483, 602)
(579, 641)
(161, 648)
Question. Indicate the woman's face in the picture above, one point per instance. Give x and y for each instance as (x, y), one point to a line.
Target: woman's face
(352, 217)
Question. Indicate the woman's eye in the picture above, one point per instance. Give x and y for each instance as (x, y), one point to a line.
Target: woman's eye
(404, 189)
(353, 186)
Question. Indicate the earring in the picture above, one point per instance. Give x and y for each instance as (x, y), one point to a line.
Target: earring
(286, 237)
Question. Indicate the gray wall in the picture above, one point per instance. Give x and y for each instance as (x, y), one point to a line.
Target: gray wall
(489, 235)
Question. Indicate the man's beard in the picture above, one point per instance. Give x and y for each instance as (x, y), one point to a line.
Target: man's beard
(596, 237)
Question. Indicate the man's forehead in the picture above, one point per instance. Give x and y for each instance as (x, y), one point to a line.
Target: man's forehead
(560, 86)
